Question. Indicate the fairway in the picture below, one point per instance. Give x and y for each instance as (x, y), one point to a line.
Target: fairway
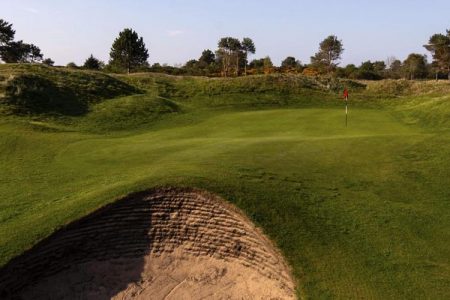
(358, 212)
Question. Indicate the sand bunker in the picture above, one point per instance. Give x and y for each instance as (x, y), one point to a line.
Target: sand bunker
(159, 244)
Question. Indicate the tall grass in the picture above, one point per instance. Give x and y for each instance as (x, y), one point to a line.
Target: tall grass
(403, 87)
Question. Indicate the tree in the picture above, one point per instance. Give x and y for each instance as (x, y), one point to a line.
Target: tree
(228, 53)
(368, 71)
(20, 52)
(128, 51)
(206, 64)
(192, 67)
(330, 51)
(12, 52)
(208, 57)
(92, 63)
(268, 65)
(191, 63)
(232, 54)
(257, 65)
(72, 65)
(379, 67)
(439, 46)
(35, 53)
(48, 62)
(248, 47)
(389, 61)
(290, 63)
(395, 69)
(16, 52)
(6, 33)
(415, 66)
(349, 71)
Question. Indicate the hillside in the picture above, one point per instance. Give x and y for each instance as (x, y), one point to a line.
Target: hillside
(33, 89)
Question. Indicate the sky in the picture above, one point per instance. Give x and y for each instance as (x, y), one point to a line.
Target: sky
(178, 30)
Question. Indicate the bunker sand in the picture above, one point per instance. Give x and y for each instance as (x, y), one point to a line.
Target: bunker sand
(160, 244)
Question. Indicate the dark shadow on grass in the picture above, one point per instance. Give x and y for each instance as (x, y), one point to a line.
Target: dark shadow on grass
(30, 94)
(71, 95)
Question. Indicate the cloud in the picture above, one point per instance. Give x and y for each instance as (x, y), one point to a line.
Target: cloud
(31, 10)
(173, 33)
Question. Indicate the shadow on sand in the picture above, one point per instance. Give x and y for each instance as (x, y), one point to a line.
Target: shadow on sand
(112, 240)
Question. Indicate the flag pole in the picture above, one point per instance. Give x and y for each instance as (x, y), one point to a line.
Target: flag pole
(346, 110)
(346, 106)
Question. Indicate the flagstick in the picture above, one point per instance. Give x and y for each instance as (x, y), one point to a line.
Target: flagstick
(346, 112)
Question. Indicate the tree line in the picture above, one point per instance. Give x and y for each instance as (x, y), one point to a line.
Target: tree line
(231, 58)
(12, 51)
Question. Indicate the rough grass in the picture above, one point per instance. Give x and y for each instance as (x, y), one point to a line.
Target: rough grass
(286, 84)
(359, 212)
(37, 89)
(407, 87)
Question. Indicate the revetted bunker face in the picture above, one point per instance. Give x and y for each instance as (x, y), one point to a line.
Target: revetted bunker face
(160, 244)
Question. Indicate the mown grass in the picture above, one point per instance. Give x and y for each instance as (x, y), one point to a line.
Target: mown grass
(359, 212)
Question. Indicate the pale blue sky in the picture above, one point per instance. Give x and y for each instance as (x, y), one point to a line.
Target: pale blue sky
(176, 30)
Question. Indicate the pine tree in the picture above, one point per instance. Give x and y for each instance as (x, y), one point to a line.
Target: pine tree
(6, 32)
(330, 51)
(248, 46)
(128, 51)
(92, 63)
(439, 46)
(16, 52)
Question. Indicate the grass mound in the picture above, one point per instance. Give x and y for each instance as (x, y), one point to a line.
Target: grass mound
(129, 112)
(286, 84)
(401, 87)
(249, 91)
(38, 89)
(431, 112)
(31, 89)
